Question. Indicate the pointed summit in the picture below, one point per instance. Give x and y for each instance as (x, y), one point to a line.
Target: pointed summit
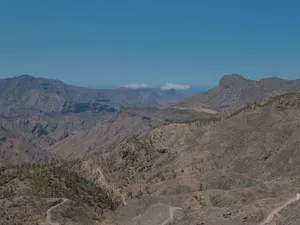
(231, 78)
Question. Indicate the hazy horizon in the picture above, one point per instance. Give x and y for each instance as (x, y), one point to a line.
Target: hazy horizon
(113, 43)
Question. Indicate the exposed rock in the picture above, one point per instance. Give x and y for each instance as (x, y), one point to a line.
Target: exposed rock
(234, 91)
(162, 150)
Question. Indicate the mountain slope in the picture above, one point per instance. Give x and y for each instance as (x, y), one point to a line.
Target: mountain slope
(125, 124)
(234, 90)
(16, 149)
(25, 139)
(229, 171)
(31, 194)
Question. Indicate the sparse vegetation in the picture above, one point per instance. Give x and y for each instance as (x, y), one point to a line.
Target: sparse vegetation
(240, 162)
(57, 181)
(262, 102)
(218, 201)
(245, 108)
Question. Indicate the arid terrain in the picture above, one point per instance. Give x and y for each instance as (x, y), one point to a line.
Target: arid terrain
(232, 170)
(230, 159)
(234, 91)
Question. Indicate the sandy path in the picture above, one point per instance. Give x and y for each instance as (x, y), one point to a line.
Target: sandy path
(172, 211)
(155, 215)
(49, 212)
(103, 181)
(275, 212)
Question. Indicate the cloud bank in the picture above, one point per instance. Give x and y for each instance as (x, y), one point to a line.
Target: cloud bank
(168, 86)
(135, 86)
(165, 86)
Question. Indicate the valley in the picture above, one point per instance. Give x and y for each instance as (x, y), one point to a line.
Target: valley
(228, 156)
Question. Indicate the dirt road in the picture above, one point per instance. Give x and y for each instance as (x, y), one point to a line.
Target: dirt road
(157, 214)
(269, 220)
(172, 211)
(49, 212)
(103, 181)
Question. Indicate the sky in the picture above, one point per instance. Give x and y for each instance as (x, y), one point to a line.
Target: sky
(149, 42)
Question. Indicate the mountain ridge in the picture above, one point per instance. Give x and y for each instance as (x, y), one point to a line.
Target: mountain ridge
(234, 90)
(51, 95)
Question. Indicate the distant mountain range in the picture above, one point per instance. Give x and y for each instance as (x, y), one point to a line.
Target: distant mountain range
(234, 90)
(26, 93)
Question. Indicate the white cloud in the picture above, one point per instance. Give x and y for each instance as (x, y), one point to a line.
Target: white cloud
(135, 86)
(168, 86)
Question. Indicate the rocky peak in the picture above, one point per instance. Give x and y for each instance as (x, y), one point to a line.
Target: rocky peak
(25, 77)
(231, 79)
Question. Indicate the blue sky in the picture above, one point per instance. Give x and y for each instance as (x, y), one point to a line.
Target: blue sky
(110, 43)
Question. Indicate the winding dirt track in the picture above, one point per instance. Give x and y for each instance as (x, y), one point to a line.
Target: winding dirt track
(269, 220)
(157, 214)
(49, 212)
(103, 181)
(172, 211)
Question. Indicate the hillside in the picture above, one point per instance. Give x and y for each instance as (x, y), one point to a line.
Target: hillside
(16, 148)
(289, 215)
(35, 194)
(54, 136)
(25, 139)
(234, 91)
(229, 171)
(125, 124)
